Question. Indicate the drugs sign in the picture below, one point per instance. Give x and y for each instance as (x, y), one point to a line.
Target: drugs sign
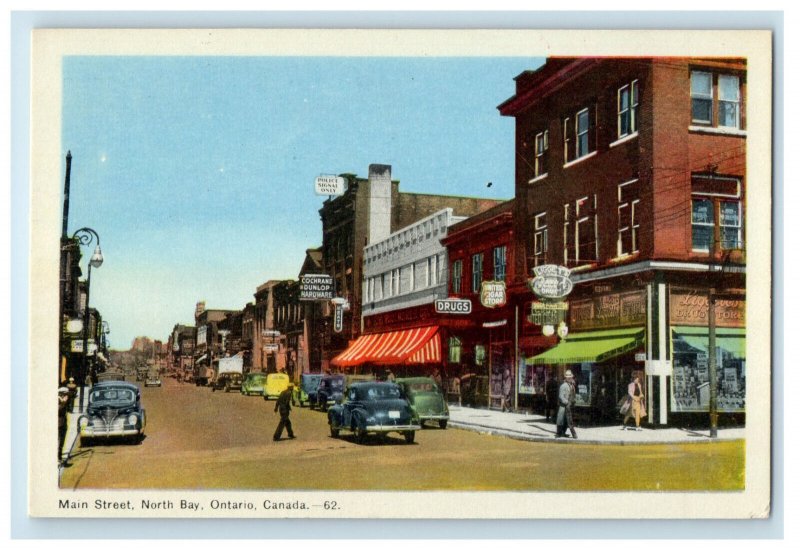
(316, 287)
(551, 281)
(453, 305)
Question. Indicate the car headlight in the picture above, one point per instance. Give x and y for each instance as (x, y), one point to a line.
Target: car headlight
(133, 419)
(83, 421)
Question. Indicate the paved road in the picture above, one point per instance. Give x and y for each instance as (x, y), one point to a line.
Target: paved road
(199, 439)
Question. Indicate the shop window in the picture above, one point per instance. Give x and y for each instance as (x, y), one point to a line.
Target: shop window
(716, 214)
(456, 277)
(500, 263)
(716, 99)
(627, 109)
(628, 215)
(541, 146)
(580, 232)
(540, 239)
(480, 355)
(477, 272)
(454, 350)
(579, 138)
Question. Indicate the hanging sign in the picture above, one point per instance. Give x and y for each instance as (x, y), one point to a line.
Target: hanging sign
(316, 287)
(493, 294)
(454, 305)
(339, 306)
(551, 281)
(329, 185)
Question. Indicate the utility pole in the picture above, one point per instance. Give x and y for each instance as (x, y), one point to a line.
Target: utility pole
(712, 362)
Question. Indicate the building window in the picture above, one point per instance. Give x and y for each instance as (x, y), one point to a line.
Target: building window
(724, 90)
(580, 232)
(456, 275)
(384, 288)
(541, 146)
(500, 263)
(579, 139)
(717, 218)
(477, 272)
(396, 279)
(411, 276)
(628, 216)
(540, 239)
(627, 109)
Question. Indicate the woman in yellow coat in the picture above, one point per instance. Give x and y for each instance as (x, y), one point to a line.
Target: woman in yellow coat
(636, 400)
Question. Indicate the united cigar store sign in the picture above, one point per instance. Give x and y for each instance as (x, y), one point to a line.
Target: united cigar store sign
(619, 309)
(690, 307)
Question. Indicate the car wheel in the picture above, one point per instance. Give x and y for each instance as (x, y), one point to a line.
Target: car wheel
(409, 436)
(443, 424)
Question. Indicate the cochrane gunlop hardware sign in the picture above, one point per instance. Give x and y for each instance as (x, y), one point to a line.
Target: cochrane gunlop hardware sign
(551, 282)
(329, 185)
(316, 287)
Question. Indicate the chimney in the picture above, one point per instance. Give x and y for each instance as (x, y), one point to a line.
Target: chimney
(380, 202)
(199, 309)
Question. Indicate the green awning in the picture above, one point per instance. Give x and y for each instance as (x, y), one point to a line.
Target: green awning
(731, 340)
(591, 347)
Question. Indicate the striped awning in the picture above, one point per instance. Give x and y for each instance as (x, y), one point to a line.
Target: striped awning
(416, 346)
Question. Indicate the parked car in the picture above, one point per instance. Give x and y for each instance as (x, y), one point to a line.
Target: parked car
(276, 383)
(308, 389)
(153, 381)
(373, 407)
(331, 388)
(350, 379)
(254, 383)
(227, 381)
(427, 400)
(114, 411)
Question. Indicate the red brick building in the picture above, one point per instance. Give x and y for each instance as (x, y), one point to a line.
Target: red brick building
(631, 173)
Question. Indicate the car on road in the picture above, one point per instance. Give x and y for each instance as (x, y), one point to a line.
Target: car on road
(153, 381)
(254, 383)
(331, 388)
(308, 389)
(114, 411)
(227, 381)
(276, 383)
(426, 398)
(373, 407)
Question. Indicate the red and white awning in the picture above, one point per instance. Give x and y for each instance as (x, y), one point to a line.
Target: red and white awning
(401, 347)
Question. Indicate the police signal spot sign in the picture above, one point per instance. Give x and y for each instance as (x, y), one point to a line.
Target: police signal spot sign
(454, 306)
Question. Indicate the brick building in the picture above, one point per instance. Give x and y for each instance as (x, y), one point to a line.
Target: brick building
(369, 211)
(631, 173)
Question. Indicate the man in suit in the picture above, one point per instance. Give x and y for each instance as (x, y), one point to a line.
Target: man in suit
(284, 406)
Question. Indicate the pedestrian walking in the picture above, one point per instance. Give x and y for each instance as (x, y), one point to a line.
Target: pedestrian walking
(635, 403)
(72, 387)
(551, 393)
(63, 404)
(507, 387)
(284, 406)
(566, 403)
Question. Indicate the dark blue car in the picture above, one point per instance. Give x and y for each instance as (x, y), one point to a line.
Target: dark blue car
(330, 389)
(373, 407)
(308, 389)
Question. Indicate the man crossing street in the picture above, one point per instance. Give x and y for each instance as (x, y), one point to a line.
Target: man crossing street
(284, 406)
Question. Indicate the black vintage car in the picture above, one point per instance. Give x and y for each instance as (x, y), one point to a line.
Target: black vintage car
(373, 407)
(227, 381)
(331, 388)
(115, 412)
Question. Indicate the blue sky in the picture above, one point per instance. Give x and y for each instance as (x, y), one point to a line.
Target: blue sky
(197, 172)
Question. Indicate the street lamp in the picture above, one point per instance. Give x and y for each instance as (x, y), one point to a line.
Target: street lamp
(85, 236)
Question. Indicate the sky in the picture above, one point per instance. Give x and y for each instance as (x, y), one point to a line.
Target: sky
(198, 172)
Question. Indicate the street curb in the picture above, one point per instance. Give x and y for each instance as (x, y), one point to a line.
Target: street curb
(521, 436)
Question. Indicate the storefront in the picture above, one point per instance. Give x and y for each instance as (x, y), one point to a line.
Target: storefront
(690, 337)
(406, 352)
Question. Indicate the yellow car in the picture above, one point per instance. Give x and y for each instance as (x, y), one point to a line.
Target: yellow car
(276, 383)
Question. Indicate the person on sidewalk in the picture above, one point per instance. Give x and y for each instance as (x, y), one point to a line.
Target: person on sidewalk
(566, 402)
(636, 398)
(284, 406)
(72, 387)
(551, 391)
(63, 404)
(507, 387)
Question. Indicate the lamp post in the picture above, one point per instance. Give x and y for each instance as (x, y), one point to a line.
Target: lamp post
(85, 236)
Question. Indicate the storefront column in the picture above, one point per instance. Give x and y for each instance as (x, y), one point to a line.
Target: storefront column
(657, 363)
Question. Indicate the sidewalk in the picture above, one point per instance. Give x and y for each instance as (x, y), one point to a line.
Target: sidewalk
(72, 429)
(533, 427)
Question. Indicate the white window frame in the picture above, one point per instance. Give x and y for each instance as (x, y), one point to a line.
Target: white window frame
(628, 110)
(579, 134)
(738, 227)
(703, 224)
(703, 95)
(539, 153)
(737, 102)
(540, 238)
(626, 224)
